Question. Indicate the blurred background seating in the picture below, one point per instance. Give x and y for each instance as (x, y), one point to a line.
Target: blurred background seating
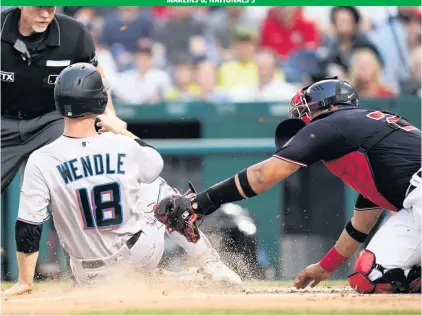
(241, 54)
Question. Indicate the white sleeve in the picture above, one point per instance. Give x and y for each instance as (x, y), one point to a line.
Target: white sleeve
(155, 191)
(150, 163)
(34, 196)
(164, 190)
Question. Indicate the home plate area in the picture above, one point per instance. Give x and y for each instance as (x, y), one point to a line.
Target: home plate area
(176, 297)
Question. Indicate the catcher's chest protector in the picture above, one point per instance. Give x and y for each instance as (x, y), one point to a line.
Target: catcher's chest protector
(354, 169)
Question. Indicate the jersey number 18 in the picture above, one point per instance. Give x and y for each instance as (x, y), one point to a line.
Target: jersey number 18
(102, 208)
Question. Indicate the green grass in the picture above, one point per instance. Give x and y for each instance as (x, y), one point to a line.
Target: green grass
(252, 312)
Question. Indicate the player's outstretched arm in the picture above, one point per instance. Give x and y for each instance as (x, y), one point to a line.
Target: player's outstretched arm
(355, 233)
(113, 124)
(88, 55)
(33, 202)
(27, 263)
(110, 111)
(245, 184)
(27, 244)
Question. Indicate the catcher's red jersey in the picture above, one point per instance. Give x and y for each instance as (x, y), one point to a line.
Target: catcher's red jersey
(361, 147)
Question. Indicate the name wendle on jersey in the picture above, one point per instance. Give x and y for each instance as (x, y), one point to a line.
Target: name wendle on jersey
(91, 165)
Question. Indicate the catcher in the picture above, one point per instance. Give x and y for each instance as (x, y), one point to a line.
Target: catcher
(377, 153)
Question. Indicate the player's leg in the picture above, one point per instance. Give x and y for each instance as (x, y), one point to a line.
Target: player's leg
(88, 275)
(391, 262)
(147, 252)
(202, 255)
(12, 155)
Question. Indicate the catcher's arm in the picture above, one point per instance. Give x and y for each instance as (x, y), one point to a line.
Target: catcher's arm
(181, 212)
(246, 184)
(363, 222)
(351, 237)
(365, 216)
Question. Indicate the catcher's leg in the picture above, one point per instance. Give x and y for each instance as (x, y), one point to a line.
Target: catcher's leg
(392, 261)
(205, 257)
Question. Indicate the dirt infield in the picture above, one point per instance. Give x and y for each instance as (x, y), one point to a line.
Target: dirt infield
(173, 297)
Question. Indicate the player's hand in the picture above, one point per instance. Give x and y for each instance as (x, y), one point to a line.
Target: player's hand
(313, 272)
(117, 122)
(110, 123)
(17, 289)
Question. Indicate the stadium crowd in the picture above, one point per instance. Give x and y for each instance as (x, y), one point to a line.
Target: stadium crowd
(246, 54)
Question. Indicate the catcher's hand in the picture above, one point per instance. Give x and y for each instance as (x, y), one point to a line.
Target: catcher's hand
(177, 214)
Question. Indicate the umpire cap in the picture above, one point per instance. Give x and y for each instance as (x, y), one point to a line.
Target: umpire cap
(80, 91)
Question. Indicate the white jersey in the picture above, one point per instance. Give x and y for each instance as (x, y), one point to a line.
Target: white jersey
(93, 188)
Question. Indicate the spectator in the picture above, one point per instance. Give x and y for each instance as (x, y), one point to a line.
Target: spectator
(345, 21)
(414, 29)
(370, 15)
(181, 34)
(271, 84)
(286, 31)
(413, 85)
(206, 76)
(184, 87)
(128, 26)
(391, 39)
(160, 13)
(105, 58)
(242, 72)
(99, 11)
(222, 23)
(85, 15)
(366, 74)
(144, 84)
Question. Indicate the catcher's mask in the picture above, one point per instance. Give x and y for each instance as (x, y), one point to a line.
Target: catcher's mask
(320, 96)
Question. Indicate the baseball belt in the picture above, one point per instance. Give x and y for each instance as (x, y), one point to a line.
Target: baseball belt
(93, 264)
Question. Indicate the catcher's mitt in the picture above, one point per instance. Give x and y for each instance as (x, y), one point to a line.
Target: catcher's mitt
(177, 214)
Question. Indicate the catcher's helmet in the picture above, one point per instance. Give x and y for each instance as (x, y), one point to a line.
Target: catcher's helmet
(322, 95)
(80, 91)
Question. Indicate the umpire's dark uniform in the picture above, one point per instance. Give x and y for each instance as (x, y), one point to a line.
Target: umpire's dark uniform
(29, 68)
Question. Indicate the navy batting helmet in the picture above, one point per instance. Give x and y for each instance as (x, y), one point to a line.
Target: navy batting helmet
(80, 91)
(322, 95)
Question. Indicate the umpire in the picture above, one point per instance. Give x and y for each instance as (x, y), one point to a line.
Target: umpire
(36, 45)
